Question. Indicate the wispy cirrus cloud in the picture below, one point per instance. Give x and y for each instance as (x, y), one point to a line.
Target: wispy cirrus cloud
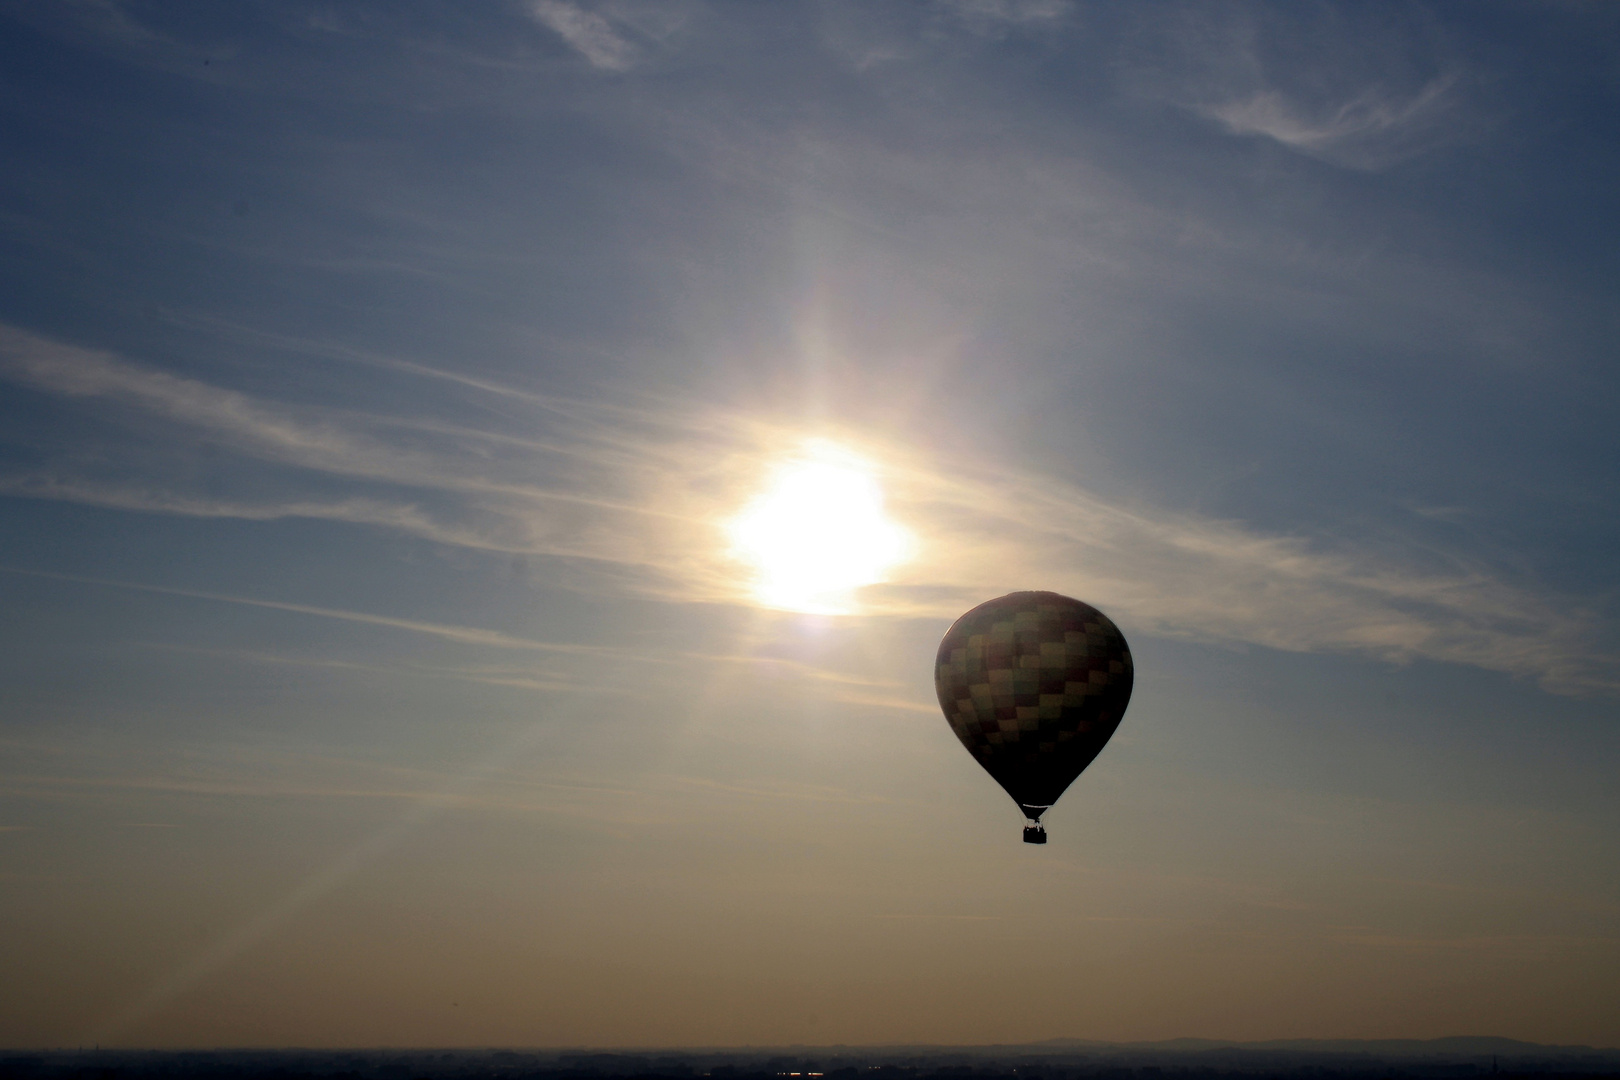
(1004, 13)
(489, 674)
(1187, 575)
(489, 476)
(464, 635)
(157, 500)
(817, 681)
(638, 495)
(1337, 84)
(591, 35)
(1370, 130)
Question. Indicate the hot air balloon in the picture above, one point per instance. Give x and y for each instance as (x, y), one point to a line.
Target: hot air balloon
(1034, 684)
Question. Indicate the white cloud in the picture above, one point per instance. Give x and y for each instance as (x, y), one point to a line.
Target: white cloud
(589, 33)
(160, 501)
(1185, 575)
(635, 499)
(1371, 130)
(465, 635)
(1017, 12)
(1344, 84)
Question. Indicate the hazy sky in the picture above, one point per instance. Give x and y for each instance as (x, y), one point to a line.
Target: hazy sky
(381, 385)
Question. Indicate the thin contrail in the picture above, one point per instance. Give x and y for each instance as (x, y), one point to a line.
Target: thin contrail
(467, 635)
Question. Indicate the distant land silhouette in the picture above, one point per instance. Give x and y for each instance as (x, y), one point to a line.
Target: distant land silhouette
(1053, 1059)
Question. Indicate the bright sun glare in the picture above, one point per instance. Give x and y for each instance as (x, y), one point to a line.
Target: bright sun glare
(818, 533)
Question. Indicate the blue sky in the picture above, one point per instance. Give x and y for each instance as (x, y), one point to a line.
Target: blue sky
(378, 384)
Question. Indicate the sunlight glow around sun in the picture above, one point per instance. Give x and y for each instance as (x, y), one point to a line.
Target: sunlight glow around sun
(819, 532)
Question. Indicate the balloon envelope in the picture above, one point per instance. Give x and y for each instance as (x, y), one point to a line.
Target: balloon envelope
(1034, 684)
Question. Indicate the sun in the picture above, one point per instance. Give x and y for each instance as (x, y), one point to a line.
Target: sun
(818, 532)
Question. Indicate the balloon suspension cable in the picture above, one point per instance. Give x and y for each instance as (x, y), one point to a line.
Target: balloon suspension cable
(1034, 831)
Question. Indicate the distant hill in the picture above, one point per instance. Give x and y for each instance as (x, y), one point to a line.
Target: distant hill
(1461, 1057)
(1449, 1046)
